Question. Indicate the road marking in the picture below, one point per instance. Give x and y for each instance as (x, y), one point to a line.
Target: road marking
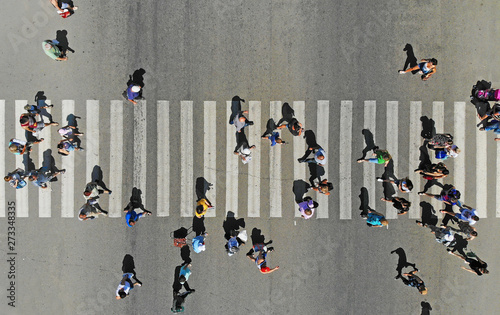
(459, 140)
(369, 168)
(140, 148)
(392, 146)
(322, 139)
(68, 163)
(481, 182)
(413, 158)
(92, 137)
(44, 195)
(231, 166)
(299, 170)
(438, 117)
(116, 159)
(254, 165)
(345, 160)
(210, 152)
(187, 183)
(22, 201)
(275, 169)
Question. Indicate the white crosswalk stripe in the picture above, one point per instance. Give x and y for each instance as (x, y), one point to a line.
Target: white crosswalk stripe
(275, 169)
(254, 167)
(209, 151)
(116, 158)
(22, 201)
(267, 161)
(68, 198)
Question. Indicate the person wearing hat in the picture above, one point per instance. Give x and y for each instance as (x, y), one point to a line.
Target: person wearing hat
(53, 50)
(414, 281)
(132, 93)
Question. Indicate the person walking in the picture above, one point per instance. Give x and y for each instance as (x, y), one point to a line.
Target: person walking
(28, 122)
(53, 49)
(16, 178)
(126, 284)
(65, 8)
(93, 190)
(43, 176)
(68, 132)
(91, 210)
(199, 243)
(414, 281)
(375, 219)
(400, 204)
(443, 235)
(323, 187)
(243, 148)
(426, 67)
(381, 157)
(476, 264)
(133, 93)
(201, 207)
(307, 207)
(404, 185)
(236, 239)
(467, 214)
(261, 259)
(20, 147)
(320, 157)
(66, 146)
(132, 217)
(449, 196)
(240, 121)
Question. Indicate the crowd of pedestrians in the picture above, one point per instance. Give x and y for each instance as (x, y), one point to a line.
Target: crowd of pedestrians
(315, 156)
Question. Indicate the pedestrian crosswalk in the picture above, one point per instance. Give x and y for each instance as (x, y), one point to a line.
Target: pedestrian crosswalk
(263, 187)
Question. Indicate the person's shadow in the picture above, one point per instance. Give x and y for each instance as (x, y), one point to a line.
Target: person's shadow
(135, 200)
(364, 201)
(411, 60)
(128, 266)
(426, 308)
(389, 190)
(287, 113)
(316, 171)
(241, 138)
(258, 238)
(270, 127)
(428, 214)
(460, 245)
(424, 157)
(50, 163)
(235, 107)
(137, 77)
(232, 224)
(369, 142)
(40, 99)
(62, 38)
(447, 218)
(28, 163)
(428, 127)
(299, 189)
(402, 262)
(73, 121)
(311, 143)
(186, 254)
(202, 186)
(97, 177)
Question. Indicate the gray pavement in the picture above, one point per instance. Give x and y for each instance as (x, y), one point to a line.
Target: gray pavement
(265, 51)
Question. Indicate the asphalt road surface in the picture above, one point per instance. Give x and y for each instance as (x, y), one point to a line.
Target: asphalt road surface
(335, 63)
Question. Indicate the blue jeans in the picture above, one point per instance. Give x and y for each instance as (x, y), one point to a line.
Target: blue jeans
(373, 160)
(493, 125)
